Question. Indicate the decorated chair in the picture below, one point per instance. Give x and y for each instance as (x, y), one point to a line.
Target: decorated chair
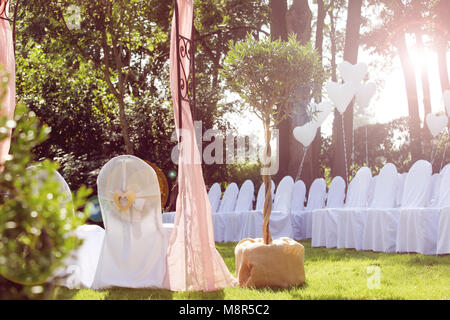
(443, 234)
(386, 220)
(280, 220)
(335, 199)
(418, 223)
(385, 196)
(349, 221)
(356, 198)
(231, 221)
(302, 220)
(400, 186)
(297, 207)
(134, 248)
(227, 204)
(81, 264)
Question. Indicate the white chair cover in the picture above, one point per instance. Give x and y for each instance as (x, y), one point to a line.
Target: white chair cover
(214, 195)
(401, 185)
(419, 230)
(280, 220)
(443, 240)
(409, 236)
(298, 196)
(227, 204)
(335, 199)
(231, 221)
(349, 221)
(302, 220)
(135, 244)
(434, 193)
(385, 196)
(80, 266)
(370, 196)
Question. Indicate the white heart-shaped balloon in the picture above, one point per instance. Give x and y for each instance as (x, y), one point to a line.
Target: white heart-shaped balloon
(436, 123)
(447, 101)
(340, 94)
(322, 111)
(364, 93)
(352, 73)
(306, 133)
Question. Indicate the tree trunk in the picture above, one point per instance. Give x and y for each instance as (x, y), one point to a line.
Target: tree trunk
(298, 22)
(442, 61)
(267, 210)
(278, 30)
(413, 103)
(316, 148)
(426, 92)
(350, 55)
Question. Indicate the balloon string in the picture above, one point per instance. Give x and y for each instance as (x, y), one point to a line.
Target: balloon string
(443, 157)
(345, 149)
(300, 169)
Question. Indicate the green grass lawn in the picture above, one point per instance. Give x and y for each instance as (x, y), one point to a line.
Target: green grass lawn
(330, 274)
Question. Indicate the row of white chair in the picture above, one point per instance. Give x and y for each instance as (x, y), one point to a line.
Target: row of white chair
(339, 224)
(420, 224)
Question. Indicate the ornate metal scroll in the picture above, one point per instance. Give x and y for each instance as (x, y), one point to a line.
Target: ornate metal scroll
(186, 81)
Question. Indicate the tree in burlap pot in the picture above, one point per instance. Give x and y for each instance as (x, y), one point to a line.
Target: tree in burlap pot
(268, 73)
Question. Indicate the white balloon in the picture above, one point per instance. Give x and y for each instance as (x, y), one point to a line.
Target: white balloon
(306, 133)
(436, 123)
(340, 94)
(364, 93)
(447, 101)
(352, 73)
(323, 110)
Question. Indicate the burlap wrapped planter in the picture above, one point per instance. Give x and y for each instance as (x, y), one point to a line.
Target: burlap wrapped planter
(278, 265)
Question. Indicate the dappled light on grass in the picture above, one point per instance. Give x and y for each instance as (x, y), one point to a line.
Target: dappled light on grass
(330, 274)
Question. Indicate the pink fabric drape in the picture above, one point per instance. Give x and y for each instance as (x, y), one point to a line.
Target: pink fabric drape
(193, 263)
(8, 103)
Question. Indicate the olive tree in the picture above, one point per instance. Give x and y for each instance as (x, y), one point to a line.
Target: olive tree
(268, 74)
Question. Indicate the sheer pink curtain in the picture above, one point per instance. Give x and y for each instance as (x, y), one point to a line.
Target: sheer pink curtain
(8, 103)
(193, 263)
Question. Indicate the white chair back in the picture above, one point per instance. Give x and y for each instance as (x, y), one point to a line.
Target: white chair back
(245, 198)
(373, 183)
(444, 190)
(336, 193)
(435, 183)
(135, 244)
(417, 185)
(283, 195)
(228, 202)
(261, 196)
(386, 187)
(298, 196)
(358, 189)
(214, 194)
(401, 178)
(42, 174)
(317, 194)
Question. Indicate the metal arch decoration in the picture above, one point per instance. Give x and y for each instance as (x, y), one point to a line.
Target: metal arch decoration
(186, 84)
(3, 16)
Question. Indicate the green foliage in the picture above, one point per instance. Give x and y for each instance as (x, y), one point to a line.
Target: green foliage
(36, 218)
(268, 73)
